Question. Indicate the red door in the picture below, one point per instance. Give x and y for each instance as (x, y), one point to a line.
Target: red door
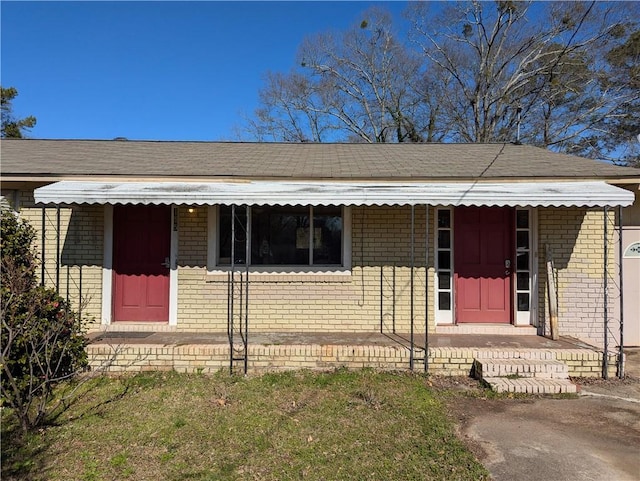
(141, 243)
(482, 257)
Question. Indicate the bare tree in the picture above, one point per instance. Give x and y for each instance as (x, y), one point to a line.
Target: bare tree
(502, 63)
(288, 110)
(361, 85)
(561, 75)
(621, 140)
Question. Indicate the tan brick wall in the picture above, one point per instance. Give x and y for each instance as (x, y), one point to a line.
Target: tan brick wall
(380, 260)
(576, 238)
(79, 275)
(209, 358)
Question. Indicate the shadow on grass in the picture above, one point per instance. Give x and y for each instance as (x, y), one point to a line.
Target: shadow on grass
(24, 455)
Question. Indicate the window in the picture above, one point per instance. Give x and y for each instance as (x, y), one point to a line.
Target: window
(444, 267)
(523, 260)
(282, 236)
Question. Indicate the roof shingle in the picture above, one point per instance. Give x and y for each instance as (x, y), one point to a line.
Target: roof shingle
(206, 160)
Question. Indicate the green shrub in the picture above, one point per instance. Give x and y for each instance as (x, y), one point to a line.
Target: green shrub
(42, 338)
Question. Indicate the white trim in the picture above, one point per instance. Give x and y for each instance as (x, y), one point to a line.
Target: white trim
(454, 320)
(107, 271)
(107, 266)
(212, 238)
(214, 268)
(280, 270)
(523, 318)
(443, 316)
(534, 308)
(322, 193)
(173, 273)
(347, 239)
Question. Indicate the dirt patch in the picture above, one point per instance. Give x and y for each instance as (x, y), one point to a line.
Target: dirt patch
(627, 388)
(454, 383)
(611, 382)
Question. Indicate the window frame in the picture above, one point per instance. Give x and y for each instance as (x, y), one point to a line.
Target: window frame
(443, 316)
(528, 317)
(213, 242)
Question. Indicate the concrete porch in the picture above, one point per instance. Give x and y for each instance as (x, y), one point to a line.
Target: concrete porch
(448, 354)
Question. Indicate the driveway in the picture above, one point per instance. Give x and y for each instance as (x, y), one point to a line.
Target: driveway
(593, 437)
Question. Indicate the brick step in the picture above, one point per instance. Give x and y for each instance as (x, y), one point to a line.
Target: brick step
(525, 368)
(488, 329)
(530, 385)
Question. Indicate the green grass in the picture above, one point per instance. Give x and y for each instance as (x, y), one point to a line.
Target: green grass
(164, 426)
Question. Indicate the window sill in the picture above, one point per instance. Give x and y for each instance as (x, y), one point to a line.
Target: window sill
(284, 274)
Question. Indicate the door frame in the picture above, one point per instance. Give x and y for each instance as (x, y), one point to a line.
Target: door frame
(508, 313)
(520, 318)
(107, 269)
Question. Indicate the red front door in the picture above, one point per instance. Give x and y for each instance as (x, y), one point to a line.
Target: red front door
(141, 243)
(482, 264)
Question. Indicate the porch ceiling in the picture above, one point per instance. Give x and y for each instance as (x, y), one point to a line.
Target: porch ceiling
(509, 194)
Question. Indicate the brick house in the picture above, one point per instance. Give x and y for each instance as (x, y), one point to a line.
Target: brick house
(331, 238)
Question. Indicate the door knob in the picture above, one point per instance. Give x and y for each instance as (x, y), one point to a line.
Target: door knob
(166, 263)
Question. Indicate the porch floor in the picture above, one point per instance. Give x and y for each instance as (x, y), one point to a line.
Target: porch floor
(339, 339)
(118, 351)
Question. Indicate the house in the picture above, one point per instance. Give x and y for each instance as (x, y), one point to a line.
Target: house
(218, 238)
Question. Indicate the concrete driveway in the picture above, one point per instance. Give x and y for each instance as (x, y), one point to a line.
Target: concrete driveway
(593, 437)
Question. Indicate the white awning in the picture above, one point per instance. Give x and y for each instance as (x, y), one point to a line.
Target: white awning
(557, 194)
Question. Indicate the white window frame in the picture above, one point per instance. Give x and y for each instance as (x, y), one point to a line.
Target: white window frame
(527, 318)
(213, 240)
(443, 316)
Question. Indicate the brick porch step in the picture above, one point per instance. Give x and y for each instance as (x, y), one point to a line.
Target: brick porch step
(529, 376)
(531, 385)
(525, 368)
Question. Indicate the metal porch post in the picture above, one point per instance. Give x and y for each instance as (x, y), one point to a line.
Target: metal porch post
(605, 359)
(621, 284)
(58, 248)
(44, 240)
(232, 290)
(426, 289)
(247, 247)
(412, 353)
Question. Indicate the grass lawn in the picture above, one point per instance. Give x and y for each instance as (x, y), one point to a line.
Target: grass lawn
(165, 426)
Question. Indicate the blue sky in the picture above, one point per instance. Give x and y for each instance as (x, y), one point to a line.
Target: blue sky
(153, 70)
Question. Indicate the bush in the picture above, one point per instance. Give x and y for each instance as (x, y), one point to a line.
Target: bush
(43, 340)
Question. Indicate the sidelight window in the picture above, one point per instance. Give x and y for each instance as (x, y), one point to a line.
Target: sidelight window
(444, 264)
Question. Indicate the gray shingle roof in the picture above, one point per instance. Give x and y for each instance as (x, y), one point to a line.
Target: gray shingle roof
(136, 159)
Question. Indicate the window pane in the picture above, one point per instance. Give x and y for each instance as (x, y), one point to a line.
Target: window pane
(523, 281)
(327, 236)
(224, 226)
(280, 235)
(444, 239)
(522, 264)
(444, 301)
(522, 239)
(523, 301)
(444, 218)
(444, 280)
(522, 219)
(444, 260)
